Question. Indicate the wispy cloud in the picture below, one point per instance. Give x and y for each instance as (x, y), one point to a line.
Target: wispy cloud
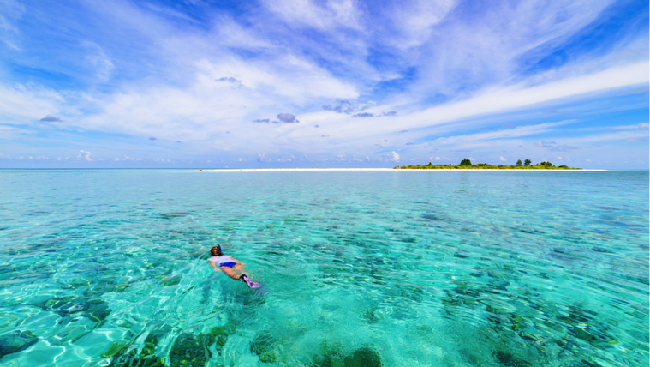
(392, 156)
(508, 133)
(101, 63)
(502, 99)
(491, 76)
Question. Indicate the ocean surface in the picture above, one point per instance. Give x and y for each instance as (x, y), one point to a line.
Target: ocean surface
(107, 267)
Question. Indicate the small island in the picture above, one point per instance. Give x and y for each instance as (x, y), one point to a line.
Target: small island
(467, 164)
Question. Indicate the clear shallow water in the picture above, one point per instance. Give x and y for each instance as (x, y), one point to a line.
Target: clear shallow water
(102, 267)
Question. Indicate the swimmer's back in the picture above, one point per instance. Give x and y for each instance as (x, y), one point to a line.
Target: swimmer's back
(220, 259)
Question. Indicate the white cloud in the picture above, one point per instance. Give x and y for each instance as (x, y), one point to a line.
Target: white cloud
(490, 48)
(84, 155)
(175, 97)
(502, 99)
(393, 156)
(188, 114)
(25, 103)
(502, 159)
(262, 158)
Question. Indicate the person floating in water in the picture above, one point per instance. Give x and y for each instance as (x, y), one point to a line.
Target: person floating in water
(231, 266)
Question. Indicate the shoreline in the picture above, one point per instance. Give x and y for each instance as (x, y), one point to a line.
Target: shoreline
(391, 170)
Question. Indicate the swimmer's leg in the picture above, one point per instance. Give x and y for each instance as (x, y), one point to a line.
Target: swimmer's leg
(230, 272)
(233, 273)
(239, 269)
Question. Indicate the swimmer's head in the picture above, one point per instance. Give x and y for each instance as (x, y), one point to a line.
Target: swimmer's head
(216, 251)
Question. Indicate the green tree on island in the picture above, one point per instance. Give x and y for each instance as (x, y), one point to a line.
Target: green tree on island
(527, 162)
(466, 162)
(518, 162)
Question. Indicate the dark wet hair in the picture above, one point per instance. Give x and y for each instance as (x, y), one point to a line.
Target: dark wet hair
(216, 251)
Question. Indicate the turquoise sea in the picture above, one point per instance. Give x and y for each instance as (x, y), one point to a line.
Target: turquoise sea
(107, 267)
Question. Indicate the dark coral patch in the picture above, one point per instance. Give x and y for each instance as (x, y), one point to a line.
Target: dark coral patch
(16, 341)
(190, 350)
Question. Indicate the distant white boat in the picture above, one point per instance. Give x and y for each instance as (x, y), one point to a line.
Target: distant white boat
(226, 167)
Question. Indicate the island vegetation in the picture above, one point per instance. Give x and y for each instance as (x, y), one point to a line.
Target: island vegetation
(467, 164)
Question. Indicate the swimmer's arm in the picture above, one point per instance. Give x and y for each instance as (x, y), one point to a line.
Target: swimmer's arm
(216, 269)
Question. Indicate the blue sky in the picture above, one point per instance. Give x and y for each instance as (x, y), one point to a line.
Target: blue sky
(300, 83)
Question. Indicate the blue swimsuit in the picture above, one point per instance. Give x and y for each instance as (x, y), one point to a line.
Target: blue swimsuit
(223, 261)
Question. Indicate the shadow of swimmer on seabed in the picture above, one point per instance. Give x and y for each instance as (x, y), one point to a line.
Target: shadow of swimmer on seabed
(231, 266)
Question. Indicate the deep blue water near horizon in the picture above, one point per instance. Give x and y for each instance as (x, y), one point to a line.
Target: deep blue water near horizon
(107, 267)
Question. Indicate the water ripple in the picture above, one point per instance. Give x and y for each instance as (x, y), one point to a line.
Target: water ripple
(453, 268)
